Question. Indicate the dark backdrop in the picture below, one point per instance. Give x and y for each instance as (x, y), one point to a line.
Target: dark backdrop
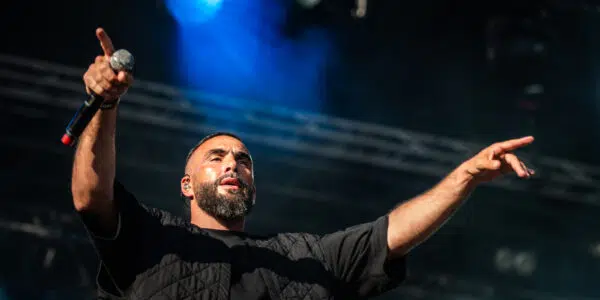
(423, 66)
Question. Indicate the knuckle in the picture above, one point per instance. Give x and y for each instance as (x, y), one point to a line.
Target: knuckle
(98, 83)
(91, 68)
(102, 63)
(97, 89)
(89, 81)
(97, 77)
(102, 66)
(108, 77)
(111, 75)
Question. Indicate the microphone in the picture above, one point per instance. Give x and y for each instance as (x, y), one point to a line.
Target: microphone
(121, 60)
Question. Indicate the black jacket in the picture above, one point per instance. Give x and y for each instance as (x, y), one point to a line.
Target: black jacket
(155, 255)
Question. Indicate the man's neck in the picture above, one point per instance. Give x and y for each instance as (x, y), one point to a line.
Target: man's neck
(203, 220)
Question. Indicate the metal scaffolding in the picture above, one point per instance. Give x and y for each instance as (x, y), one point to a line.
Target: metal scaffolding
(50, 84)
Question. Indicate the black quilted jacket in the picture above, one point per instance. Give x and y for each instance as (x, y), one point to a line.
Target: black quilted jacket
(155, 255)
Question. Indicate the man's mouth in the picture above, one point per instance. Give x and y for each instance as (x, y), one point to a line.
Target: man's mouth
(230, 182)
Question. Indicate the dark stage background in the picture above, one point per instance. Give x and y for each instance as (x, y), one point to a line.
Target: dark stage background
(346, 117)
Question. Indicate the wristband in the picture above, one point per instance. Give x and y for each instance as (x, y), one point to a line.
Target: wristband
(110, 105)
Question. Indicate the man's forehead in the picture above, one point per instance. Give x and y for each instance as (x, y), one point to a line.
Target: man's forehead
(223, 142)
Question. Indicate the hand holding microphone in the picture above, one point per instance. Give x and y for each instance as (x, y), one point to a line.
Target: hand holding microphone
(101, 79)
(107, 79)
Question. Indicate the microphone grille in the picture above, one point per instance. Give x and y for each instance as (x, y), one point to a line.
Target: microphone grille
(122, 60)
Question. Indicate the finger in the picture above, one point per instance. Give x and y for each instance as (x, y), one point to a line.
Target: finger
(492, 164)
(122, 77)
(89, 82)
(531, 172)
(492, 155)
(516, 165)
(113, 91)
(125, 78)
(103, 84)
(511, 145)
(95, 88)
(109, 75)
(109, 94)
(96, 84)
(105, 42)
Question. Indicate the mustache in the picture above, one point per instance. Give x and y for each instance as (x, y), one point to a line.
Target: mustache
(243, 183)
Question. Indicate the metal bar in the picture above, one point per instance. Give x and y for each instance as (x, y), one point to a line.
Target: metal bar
(336, 138)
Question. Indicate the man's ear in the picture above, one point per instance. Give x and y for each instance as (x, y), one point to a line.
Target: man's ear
(186, 187)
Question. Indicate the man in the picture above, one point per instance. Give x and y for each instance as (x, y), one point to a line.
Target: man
(147, 253)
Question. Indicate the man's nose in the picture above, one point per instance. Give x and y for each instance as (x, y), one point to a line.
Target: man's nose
(229, 164)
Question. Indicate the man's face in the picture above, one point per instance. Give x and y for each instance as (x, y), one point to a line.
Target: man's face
(222, 178)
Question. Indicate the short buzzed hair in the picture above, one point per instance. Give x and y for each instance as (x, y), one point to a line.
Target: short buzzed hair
(206, 138)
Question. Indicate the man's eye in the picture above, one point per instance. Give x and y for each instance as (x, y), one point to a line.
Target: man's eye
(215, 159)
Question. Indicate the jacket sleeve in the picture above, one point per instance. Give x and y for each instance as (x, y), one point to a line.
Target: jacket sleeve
(121, 252)
(358, 258)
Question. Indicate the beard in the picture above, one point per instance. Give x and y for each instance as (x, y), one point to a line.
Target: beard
(232, 205)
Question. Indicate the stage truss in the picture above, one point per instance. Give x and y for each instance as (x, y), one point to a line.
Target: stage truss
(50, 84)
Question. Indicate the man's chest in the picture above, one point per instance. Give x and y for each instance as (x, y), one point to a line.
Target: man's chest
(235, 273)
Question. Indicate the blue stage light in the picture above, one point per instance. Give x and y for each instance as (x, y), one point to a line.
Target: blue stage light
(193, 11)
(242, 52)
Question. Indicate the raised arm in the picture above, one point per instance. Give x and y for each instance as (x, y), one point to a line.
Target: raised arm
(415, 220)
(94, 164)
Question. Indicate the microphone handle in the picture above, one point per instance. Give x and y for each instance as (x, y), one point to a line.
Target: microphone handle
(81, 119)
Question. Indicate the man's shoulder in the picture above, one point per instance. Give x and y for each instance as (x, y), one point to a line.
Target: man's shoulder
(165, 217)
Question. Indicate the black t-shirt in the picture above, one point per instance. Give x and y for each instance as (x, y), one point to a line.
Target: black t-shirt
(154, 255)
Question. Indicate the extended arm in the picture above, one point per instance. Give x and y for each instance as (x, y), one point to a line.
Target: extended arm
(415, 220)
(94, 164)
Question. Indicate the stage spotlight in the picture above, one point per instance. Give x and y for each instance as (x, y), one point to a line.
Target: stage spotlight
(521, 262)
(504, 259)
(308, 3)
(525, 263)
(193, 11)
(595, 250)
